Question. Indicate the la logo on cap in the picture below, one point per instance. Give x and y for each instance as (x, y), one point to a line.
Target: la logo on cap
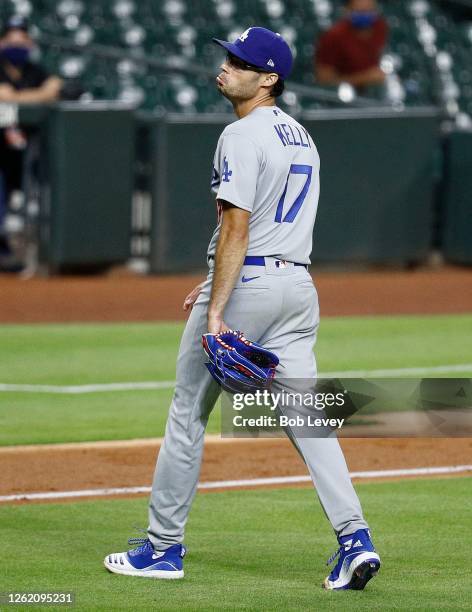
(244, 35)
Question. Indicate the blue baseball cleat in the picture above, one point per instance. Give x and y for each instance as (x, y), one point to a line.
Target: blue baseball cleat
(357, 564)
(146, 562)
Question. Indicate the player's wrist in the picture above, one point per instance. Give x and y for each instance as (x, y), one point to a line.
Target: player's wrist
(215, 319)
(215, 315)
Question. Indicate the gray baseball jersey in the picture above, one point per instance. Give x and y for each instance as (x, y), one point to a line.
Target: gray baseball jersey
(267, 164)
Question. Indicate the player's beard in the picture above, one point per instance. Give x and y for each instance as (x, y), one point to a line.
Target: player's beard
(237, 93)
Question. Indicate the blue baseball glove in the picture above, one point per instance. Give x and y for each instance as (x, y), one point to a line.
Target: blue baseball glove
(238, 365)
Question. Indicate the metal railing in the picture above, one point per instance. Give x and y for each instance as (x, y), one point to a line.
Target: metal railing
(184, 66)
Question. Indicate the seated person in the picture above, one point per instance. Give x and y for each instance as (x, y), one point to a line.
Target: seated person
(20, 79)
(351, 50)
(21, 82)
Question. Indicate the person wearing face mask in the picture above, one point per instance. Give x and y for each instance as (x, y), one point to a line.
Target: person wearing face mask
(350, 51)
(21, 82)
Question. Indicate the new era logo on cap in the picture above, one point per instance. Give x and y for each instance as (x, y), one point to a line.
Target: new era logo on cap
(263, 49)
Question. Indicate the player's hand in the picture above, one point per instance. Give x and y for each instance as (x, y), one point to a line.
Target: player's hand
(216, 325)
(192, 297)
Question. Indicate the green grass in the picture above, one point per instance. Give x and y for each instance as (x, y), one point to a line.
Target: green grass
(93, 353)
(267, 553)
(88, 353)
(47, 418)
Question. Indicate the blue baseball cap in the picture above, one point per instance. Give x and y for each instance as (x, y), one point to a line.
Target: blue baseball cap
(263, 49)
(16, 22)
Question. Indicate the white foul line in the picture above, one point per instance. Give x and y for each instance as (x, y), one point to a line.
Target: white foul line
(169, 384)
(78, 389)
(231, 484)
(394, 372)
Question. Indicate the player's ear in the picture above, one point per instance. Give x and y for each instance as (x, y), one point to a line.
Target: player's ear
(270, 79)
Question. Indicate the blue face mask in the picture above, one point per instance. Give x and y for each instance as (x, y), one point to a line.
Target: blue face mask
(362, 19)
(18, 56)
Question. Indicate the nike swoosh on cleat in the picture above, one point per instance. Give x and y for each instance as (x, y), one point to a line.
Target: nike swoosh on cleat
(246, 280)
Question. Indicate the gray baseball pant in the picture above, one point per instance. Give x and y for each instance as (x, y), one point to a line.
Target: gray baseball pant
(278, 309)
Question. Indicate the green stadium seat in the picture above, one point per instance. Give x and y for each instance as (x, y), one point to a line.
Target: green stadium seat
(172, 28)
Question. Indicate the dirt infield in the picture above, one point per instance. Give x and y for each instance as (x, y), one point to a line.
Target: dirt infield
(124, 297)
(130, 464)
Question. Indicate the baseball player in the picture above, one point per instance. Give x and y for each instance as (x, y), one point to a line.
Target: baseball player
(266, 182)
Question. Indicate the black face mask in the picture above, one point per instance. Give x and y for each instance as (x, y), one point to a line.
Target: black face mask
(18, 56)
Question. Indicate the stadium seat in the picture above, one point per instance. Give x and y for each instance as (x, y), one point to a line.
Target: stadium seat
(421, 31)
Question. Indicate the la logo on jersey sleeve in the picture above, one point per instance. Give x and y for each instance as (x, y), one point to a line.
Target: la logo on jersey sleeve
(227, 173)
(225, 176)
